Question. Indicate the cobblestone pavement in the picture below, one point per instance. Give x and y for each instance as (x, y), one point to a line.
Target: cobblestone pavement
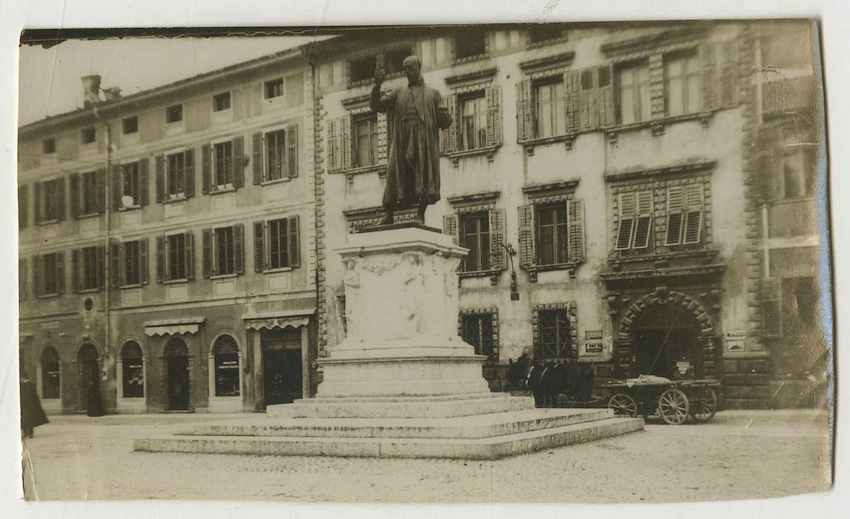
(738, 455)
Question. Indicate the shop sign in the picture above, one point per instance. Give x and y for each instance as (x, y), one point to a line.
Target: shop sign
(134, 365)
(590, 335)
(736, 340)
(229, 364)
(593, 347)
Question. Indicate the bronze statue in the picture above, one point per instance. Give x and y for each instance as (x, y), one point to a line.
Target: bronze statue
(414, 118)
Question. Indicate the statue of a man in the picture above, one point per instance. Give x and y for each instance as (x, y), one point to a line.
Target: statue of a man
(414, 120)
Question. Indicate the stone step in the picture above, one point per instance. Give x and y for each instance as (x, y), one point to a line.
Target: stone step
(418, 407)
(483, 426)
(455, 448)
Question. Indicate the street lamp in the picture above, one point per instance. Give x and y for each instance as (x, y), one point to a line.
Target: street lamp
(511, 253)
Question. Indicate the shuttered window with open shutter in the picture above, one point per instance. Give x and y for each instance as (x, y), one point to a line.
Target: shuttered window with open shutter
(448, 136)
(527, 253)
(643, 230)
(694, 216)
(494, 115)
(497, 239)
(626, 224)
(576, 230)
(525, 111)
(675, 215)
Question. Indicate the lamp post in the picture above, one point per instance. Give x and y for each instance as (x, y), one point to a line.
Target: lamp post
(511, 253)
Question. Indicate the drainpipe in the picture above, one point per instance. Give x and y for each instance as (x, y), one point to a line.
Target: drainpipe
(765, 230)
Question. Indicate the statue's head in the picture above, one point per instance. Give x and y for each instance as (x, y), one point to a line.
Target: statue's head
(412, 66)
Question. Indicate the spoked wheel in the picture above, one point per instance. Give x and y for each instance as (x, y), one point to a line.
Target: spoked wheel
(703, 402)
(623, 405)
(673, 406)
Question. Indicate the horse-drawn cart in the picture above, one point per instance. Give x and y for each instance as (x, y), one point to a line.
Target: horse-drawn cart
(674, 401)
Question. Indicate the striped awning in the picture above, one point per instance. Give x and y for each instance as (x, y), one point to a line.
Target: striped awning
(183, 326)
(270, 323)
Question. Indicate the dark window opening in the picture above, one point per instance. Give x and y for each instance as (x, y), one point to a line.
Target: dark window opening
(130, 125)
(174, 114)
(478, 331)
(225, 251)
(362, 69)
(394, 60)
(279, 243)
(552, 234)
(475, 236)
(177, 257)
(176, 174)
(132, 263)
(470, 44)
(366, 140)
(48, 146)
(274, 88)
(88, 135)
(221, 102)
(50, 374)
(132, 376)
(544, 32)
(473, 123)
(223, 163)
(555, 339)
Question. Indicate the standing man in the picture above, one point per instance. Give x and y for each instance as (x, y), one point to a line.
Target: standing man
(414, 120)
(32, 415)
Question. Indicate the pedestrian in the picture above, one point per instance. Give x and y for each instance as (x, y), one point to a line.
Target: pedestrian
(32, 415)
(94, 405)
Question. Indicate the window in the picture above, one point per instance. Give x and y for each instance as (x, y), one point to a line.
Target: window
(87, 266)
(684, 214)
(362, 69)
(175, 176)
(23, 206)
(635, 220)
(331, 74)
(88, 135)
(130, 125)
(551, 231)
(275, 154)
(633, 94)
(226, 366)
(473, 122)
(682, 87)
(544, 32)
(799, 166)
(554, 335)
(89, 193)
(550, 108)
(49, 274)
(276, 244)
(506, 40)
(365, 140)
(477, 330)
(221, 102)
(552, 234)
(394, 60)
(475, 236)
(131, 261)
(132, 371)
(50, 374)
(432, 51)
(48, 146)
(50, 200)
(223, 165)
(174, 114)
(174, 257)
(223, 251)
(470, 44)
(273, 88)
(131, 186)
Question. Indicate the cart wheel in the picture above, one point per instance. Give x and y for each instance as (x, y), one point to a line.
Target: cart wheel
(623, 405)
(703, 404)
(673, 406)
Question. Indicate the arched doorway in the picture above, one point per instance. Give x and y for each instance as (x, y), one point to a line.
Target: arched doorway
(132, 371)
(666, 342)
(89, 372)
(282, 366)
(50, 374)
(177, 375)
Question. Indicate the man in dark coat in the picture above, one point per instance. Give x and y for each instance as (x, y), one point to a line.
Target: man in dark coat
(94, 405)
(414, 120)
(32, 415)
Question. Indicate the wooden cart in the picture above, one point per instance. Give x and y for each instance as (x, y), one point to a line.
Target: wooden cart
(674, 401)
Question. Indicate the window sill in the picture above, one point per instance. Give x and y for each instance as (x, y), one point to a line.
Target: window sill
(700, 253)
(455, 156)
(657, 126)
(275, 181)
(533, 270)
(175, 281)
(568, 139)
(47, 296)
(128, 287)
(47, 222)
(278, 270)
(218, 190)
(224, 276)
(170, 199)
(493, 274)
(381, 169)
(130, 208)
(87, 216)
(88, 290)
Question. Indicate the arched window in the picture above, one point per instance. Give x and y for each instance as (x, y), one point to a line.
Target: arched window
(50, 373)
(176, 348)
(132, 370)
(226, 366)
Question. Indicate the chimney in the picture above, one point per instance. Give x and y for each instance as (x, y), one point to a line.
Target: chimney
(112, 94)
(91, 90)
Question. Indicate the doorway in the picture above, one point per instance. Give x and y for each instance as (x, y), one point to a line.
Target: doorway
(177, 375)
(89, 373)
(666, 344)
(282, 366)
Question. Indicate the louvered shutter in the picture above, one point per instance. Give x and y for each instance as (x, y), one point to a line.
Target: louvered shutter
(23, 277)
(643, 230)
(292, 150)
(38, 274)
(771, 307)
(160, 178)
(206, 173)
(494, 115)
(160, 259)
(23, 206)
(587, 100)
(100, 190)
(117, 187)
(675, 218)
(143, 261)
(729, 74)
(627, 221)
(37, 214)
(259, 247)
(448, 136)
(605, 96)
(189, 173)
(294, 241)
(238, 248)
(190, 256)
(74, 183)
(527, 254)
(572, 88)
(206, 245)
(497, 239)
(238, 162)
(116, 263)
(450, 227)
(144, 165)
(334, 129)
(710, 93)
(525, 111)
(575, 210)
(75, 270)
(345, 144)
(257, 157)
(383, 149)
(693, 220)
(100, 253)
(60, 272)
(60, 200)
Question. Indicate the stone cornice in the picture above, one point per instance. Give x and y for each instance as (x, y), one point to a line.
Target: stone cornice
(538, 190)
(673, 169)
(471, 77)
(356, 101)
(564, 59)
(663, 272)
(648, 41)
(475, 198)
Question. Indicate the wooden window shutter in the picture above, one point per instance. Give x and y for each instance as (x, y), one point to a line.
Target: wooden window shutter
(494, 115)
(100, 252)
(238, 248)
(23, 206)
(74, 183)
(206, 245)
(643, 230)
(144, 165)
(160, 259)
(37, 214)
(259, 246)
(450, 227)
(675, 207)
(206, 172)
(334, 128)
(189, 173)
(294, 241)
(143, 261)
(626, 221)
(605, 97)
(116, 259)
(383, 148)
(771, 307)
(695, 209)
(23, 278)
(524, 111)
(238, 161)
(572, 88)
(345, 143)
(498, 260)
(75, 270)
(100, 189)
(160, 178)
(292, 150)
(190, 256)
(527, 253)
(257, 165)
(117, 184)
(729, 74)
(38, 274)
(60, 272)
(710, 91)
(587, 99)
(575, 210)
(448, 136)
(60, 200)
